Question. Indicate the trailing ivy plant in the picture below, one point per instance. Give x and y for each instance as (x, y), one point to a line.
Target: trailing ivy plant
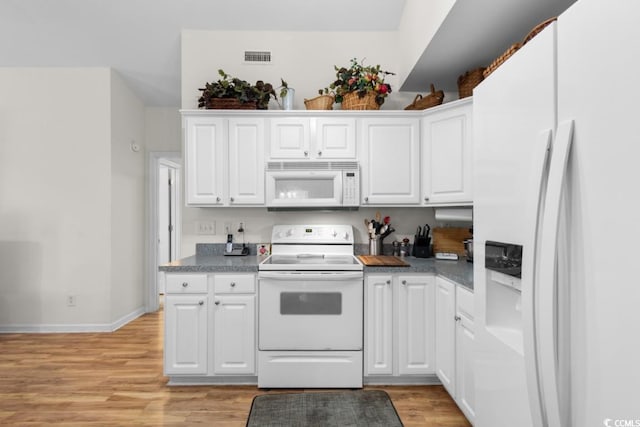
(233, 87)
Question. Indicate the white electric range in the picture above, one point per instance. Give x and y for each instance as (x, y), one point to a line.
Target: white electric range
(310, 309)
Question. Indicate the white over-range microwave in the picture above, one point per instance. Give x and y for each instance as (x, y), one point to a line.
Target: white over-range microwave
(330, 185)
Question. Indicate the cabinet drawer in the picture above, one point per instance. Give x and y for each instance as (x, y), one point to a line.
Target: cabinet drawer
(464, 302)
(186, 283)
(234, 283)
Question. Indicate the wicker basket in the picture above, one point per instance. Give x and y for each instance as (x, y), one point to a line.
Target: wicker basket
(230, 104)
(534, 32)
(431, 100)
(322, 102)
(468, 81)
(352, 101)
(500, 60)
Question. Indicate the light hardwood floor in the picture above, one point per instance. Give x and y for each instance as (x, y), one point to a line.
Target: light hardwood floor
(115, 379)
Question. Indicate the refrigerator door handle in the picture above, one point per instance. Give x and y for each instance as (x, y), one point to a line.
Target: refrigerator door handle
(530, 327)
(547, 293)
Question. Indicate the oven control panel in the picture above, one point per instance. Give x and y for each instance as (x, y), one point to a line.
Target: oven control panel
(319, 234)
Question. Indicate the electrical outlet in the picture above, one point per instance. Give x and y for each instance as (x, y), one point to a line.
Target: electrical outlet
(71, 300)
(206, 227)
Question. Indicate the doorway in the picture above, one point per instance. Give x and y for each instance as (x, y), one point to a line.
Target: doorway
(164, 228)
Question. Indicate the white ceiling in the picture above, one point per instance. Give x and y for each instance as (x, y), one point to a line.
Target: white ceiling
(141, 38)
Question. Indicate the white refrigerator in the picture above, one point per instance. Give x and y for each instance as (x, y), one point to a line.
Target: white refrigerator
(557, 175)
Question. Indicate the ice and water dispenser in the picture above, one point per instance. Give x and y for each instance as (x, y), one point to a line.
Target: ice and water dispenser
(503, 263)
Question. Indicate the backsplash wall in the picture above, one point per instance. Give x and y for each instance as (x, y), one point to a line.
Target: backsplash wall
(259, 221)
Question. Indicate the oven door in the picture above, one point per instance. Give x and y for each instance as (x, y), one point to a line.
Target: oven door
(310, 310)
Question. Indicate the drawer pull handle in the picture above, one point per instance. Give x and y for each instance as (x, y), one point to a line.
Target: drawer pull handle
(217, 302)
(233, 284)
(388, 282)
(201, 302)
(185, 284)
(404, 282)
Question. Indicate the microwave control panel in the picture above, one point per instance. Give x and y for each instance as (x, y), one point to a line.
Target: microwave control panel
(350, 188)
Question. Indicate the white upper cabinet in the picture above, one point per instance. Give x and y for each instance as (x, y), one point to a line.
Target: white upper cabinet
(335, 138)
(390, 160)
(303, 138)
(246, 161)
(447, 155)
(205, 160)
(224, 160)
(290, 138)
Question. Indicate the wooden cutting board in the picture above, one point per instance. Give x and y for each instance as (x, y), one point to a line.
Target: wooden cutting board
(450, 239)
(382, 261)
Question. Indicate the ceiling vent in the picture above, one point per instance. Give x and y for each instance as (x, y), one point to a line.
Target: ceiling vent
(257, 57)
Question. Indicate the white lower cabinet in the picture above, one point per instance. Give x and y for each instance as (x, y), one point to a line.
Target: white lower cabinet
(454, 343)
(234, 343)
(399, 325)
(185, 334)
(465, 353)
(210, 324)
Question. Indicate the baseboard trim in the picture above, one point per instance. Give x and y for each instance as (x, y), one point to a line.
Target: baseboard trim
(401, 380)
(72, 328)
(214, 380)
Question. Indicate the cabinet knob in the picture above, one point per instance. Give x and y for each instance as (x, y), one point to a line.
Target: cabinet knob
(185, 284)
(426, 199)
(231, 199)
(306, 153)
(388, 282)
(319, 153)
(366, 199)
(404, 282)
(456, 318)
(232, 284)
(218, 199)
(217, 303)
(200, 302)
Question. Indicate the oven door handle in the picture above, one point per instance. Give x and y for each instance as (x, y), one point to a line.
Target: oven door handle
(300, 275)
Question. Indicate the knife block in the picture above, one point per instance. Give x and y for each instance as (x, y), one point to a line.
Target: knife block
(421, 247)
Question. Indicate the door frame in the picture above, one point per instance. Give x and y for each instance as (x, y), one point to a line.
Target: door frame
(155, 160)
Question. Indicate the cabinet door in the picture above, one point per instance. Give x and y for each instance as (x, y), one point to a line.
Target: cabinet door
(416, 325)
(447, 156)
(185, 350)
(445, 334)
(465, 355)
(205, 160)
(390, 161)
(246, 161)
(335, 138)
(378, 344)
(234, 343)
(290, 138)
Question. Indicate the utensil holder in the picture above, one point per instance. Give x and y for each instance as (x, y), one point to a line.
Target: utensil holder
(375, 245)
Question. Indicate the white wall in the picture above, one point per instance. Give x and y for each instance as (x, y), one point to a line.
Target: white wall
(127, 201)
(54, 196)
(420, 21)
(71, 200)
(304, 59)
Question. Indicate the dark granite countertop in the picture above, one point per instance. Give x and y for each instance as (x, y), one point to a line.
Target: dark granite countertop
(459, 271)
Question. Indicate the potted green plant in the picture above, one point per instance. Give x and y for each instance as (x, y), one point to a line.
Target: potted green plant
(359, 87)
(232, 93)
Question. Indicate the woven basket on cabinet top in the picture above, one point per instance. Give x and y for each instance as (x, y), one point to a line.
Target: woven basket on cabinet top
(468, 81)
(353, 101)
(423, 102)
(322, 102)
